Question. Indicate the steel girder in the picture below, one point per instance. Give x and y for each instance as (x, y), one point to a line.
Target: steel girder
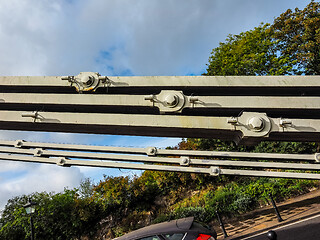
(244, 109)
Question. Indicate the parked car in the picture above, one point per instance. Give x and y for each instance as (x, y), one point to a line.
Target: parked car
(180, 229)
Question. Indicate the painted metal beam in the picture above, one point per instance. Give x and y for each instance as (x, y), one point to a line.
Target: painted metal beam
(28, 147)
(163, 81)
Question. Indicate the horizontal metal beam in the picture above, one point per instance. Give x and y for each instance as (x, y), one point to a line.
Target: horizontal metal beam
(76, 147)
(248, 155)
(67, 163)
(214, 171)
(213, 102)
(165, 125)
(153, 151)
(169, 81)
(145, 159)
(122, 124)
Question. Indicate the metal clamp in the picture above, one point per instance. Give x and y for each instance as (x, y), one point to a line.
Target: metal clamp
(168, 101)
(254, 124)
(85, 81)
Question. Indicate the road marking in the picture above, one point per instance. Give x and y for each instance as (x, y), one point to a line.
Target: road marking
(290, 224)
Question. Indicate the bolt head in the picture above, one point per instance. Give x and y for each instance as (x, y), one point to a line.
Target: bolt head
(151, 151)
(171, 100)
(256, 123)
(87, 80)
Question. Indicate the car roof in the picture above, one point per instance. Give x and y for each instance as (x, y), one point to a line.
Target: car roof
(178, 225)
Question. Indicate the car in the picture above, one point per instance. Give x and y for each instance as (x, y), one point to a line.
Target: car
(180, 229)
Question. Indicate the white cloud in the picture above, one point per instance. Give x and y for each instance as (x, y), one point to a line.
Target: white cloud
(26, 178)
(159, 37)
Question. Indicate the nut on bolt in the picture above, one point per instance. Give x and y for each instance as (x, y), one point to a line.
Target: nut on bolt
(151, 151)
(62, 162)
(215, 171)
(37, 152)
(184, 161)
(171, 100)
(18, 143)
(256, 124)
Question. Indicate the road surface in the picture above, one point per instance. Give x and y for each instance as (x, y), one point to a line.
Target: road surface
(305, 229)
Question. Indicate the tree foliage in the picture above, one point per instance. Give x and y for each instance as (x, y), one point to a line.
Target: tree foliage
(291, 45)
(298, 36)
(249, 53)
(58, 216)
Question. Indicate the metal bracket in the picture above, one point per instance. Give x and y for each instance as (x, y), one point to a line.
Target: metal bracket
(168, 101)
(317, 157)
(254, 124)
(85, 81)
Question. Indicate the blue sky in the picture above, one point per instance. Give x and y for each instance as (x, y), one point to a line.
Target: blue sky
(112, 37)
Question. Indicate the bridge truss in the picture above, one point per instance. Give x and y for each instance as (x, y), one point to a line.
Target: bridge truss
(244, 109)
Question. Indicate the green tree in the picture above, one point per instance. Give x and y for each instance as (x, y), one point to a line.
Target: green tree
(291, 45)
(58, 216)
(249, 53)
(298, 35)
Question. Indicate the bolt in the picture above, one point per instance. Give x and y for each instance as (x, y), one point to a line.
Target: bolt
(193, 99)
(256, 123)
(90, 81)
(61, 161)
(215, 171)
(37, 152)
(18, 143)
(232, 120)
(149, 97)
(87, 80)
(151, 151)
(171, 100)
(184, 161)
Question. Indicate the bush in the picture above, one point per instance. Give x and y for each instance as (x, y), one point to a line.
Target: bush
(198, 213)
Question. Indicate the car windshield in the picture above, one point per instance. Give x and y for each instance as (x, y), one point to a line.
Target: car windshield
(175, 236)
